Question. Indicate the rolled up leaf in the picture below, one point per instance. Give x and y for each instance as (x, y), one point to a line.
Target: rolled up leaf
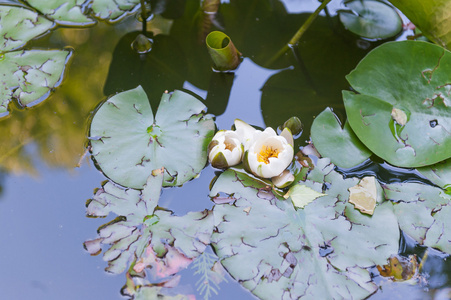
(222, 51)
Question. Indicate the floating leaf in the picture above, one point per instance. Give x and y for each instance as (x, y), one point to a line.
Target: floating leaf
(222, 51)
(323, 250)
(128, 143)
(371, 19)
(18, 25)
(64, 12)
(439, 174)
(341, 145)
(302, 195)
(417, 83)
(30, 76)
(364, 195)
(423, 213)
(430, 16)
(114, 10)
(143, 235)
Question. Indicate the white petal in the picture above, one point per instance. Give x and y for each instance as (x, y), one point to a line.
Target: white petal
(245, 132)
(286, 133)
(243, 129)
(283, 180)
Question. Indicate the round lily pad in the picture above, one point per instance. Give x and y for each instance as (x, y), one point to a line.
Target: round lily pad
(328, 136)
(371, 19)
(128, 142)
(402, 110)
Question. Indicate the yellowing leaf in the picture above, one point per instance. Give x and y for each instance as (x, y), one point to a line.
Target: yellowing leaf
(399, 116)
(364, 195)
(302, 195)
(400, 268)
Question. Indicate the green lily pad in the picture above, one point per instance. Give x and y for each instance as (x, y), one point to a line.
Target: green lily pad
(431, 17)
(30, 76)
(128, 142)
(114, 10)
(423, 213)
(328, 136)
(410, 76)
(439, 174)
(18, 25)
(323, 250)
(64, 12)
(143, 235)
(371, 19)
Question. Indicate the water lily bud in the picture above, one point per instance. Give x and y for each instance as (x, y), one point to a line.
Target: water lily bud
(225, 149)
(142, 44)
(269, 154)
(283, 180)
(294, 124)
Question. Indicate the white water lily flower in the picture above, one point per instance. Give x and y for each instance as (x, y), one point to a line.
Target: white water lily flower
(269, 154)
(245, 132)
(225, 149)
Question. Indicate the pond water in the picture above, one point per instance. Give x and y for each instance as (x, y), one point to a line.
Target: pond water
(46, 175)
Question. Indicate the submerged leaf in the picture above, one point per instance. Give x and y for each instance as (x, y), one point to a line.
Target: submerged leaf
(128, 143)
(30, 76)
(419, 83)
(211, 272)
(18, 25)
(322, 251)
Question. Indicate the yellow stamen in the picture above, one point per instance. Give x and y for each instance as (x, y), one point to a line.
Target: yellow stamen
(265, 153)
(229, 146)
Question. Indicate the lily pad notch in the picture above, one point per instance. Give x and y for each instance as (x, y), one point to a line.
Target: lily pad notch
(128, 142)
